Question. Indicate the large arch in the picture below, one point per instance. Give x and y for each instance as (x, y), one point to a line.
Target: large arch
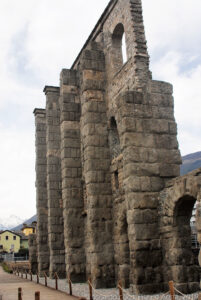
(175, 209)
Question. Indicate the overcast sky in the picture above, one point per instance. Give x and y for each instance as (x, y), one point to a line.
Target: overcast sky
(40, 37)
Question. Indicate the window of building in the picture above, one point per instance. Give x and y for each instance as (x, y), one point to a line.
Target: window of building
(14, 238)
(119, 49)
(1, 246)
(6, 237)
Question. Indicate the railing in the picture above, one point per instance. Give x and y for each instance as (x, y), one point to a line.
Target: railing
(10, 257)
(121, 293)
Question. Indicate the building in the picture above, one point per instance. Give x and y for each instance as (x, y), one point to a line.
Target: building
(24, 241)
(29, 229)
(110, 202)
(9, 241)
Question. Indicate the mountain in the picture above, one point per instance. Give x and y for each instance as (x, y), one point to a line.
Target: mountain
(190, 162)
(10, 222)
(28, 222)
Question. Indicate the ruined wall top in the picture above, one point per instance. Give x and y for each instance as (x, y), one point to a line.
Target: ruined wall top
(39, 111)
(120, 17)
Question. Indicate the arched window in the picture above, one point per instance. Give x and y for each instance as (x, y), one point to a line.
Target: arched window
(119, 47)
(185, 252)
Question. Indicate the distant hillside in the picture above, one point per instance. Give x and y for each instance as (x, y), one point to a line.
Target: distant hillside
(28, 222)
(190, 162)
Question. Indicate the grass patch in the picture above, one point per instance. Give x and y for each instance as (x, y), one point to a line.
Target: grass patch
(6, 268)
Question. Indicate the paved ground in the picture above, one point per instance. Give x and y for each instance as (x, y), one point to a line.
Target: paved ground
(9, 285)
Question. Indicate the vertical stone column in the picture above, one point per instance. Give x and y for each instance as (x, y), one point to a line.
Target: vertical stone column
(54, 194)
(41, 192)
(100, 265)
(33, 253)
(71, 177)
(150, 157)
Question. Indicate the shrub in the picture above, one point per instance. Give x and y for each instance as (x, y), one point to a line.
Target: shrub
(6, 268)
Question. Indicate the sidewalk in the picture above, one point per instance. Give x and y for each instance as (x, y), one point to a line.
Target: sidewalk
(9, 285)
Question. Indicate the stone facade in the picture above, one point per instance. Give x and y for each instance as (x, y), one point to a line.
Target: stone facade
(106, 151)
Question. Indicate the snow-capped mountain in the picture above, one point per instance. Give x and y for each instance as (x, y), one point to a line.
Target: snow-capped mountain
(10, 222)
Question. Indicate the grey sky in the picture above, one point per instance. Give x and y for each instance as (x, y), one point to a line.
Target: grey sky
(39, 37)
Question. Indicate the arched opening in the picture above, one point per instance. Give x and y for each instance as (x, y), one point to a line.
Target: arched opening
(119, 47)
(184, 261)
(114, 141)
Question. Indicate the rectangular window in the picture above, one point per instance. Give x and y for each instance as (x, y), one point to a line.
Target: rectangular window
(1, 246)
(6, 237)
(14, 238)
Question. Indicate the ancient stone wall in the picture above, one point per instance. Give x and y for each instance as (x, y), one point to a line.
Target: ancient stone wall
(41, 192)
(109, 157)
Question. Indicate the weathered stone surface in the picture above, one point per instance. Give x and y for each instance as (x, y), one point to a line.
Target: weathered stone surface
(176, 204)
(33, 253)
(54, 194)
(41, 192)
(108, 162)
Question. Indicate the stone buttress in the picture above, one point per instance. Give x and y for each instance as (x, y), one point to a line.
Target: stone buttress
(41, 192)
(96, 168)
(54, 191)
(73, 204)
(150, 157)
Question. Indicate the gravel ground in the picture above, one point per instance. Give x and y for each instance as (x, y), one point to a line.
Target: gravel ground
(82, 290)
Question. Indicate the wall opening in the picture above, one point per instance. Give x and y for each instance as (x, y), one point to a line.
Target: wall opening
(119, 47)
(184, 221)
(124, 53)
(116, 179)
(186, 259)
(114, 141)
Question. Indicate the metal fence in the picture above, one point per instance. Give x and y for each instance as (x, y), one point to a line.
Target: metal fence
(11, 257)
